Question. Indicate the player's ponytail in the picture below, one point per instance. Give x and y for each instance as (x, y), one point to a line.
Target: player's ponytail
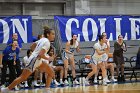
(100, 37)
(47, 30)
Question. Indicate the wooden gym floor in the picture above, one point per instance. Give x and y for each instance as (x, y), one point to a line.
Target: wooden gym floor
(110, 88)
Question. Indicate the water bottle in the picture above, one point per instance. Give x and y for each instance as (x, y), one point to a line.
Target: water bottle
(69, 80)
(32, 85)
(80, 80)
(100, 81)
(83, 81)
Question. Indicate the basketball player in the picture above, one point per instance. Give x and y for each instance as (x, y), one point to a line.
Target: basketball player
(35, 61)
(107, 64)
(68, 54)
(101, 49)
(59, 69)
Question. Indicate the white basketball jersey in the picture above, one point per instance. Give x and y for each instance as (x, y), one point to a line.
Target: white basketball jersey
(96, 56)
(43, 43)
(74, 46)
(25, 60)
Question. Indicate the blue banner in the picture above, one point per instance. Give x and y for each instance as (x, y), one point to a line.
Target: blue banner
(22, 25)
(89, 27)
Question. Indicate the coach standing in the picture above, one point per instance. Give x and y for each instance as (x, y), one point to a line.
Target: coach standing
(119, 48)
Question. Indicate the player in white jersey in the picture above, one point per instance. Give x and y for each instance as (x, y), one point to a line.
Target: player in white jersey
(105, 58)
(68, 54)
(101, 49)
(59, 69)
(35, 61)
(25, 63)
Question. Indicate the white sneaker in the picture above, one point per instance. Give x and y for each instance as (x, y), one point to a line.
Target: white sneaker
(107, 80)
(66, 82)
(3, 86)
(16, 88)
(42, 84)
(61, 82)
(86, 82)
(21, 85)
(4, 90)
(56, 83)
(75, 82)
(26, 85)
(95, 81)
(104, 83)
(35, 84)
(113, 80)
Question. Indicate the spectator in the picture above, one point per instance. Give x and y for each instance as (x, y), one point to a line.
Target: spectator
(56, 68)
(10, 57)
(25, 62)
(15, 37)
(119, 48)
(19, 45)
(68, 57)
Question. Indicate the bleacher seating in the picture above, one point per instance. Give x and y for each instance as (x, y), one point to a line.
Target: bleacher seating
(136, 70)
(87, 49)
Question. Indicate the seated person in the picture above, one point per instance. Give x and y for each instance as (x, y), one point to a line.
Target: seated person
(25, 63)
(109, 65)
(56, 68)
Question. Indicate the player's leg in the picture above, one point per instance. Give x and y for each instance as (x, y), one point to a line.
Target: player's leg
(61, 70)
(72, 63)
(25, 74)
(104, 73)
(49, 72)
(66, 71)
(94, 70)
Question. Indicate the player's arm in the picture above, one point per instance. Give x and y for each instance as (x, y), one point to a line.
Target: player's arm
(33, 46)
(100, 52)
(68, 47)
(106, 50)
(42, 55)
(124, 47)
(108, 46)
(78, 48)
